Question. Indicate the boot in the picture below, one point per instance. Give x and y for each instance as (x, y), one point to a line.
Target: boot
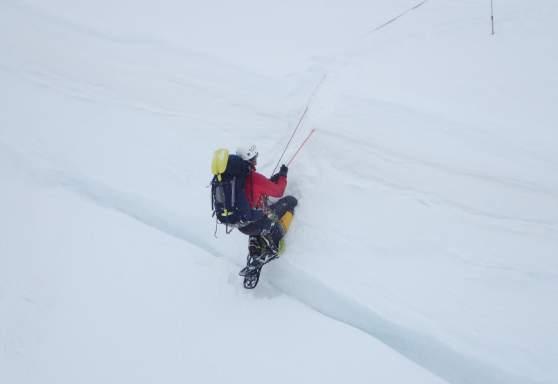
(270, 248)
(254, 246)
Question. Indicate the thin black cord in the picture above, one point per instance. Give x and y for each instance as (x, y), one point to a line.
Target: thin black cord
(291, 139)
(300, 120)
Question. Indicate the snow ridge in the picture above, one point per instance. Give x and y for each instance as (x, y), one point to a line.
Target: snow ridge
(133, 206)
(423, 349)
(136, 207)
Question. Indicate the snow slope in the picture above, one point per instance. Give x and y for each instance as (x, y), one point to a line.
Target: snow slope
(424, 248)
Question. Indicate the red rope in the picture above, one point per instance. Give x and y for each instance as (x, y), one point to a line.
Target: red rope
(301, 145)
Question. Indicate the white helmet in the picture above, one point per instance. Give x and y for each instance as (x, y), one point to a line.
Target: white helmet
(247, 153)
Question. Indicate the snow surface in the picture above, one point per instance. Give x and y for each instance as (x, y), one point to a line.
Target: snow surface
(424, 248)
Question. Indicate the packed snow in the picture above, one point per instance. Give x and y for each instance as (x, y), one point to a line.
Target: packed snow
(424, 247)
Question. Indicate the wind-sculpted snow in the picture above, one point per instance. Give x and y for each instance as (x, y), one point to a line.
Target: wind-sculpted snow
(428, 217)
(425, 350)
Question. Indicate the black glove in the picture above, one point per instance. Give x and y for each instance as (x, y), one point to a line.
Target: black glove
(283, 170)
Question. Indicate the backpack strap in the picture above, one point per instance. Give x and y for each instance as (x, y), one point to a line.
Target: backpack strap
(233, 191)
(213, 195)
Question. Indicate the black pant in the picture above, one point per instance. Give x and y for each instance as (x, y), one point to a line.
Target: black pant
(267, 225)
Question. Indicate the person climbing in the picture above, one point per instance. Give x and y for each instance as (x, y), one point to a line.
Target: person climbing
(239, 199)
(265, 232)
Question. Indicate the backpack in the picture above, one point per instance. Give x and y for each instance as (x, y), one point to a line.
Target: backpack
(228, 196)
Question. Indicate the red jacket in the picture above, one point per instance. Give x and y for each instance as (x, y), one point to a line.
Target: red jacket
(258, 187)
